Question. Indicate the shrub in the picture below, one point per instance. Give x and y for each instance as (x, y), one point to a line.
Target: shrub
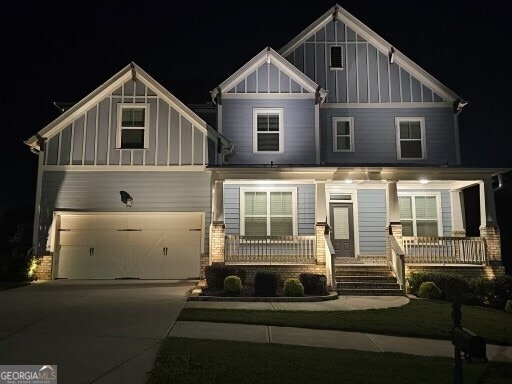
(500, 290)
(293, 288)
(232, 285)
(265, 283)
(215, 275)
(508, 306)
(478, 291)
(314, 284)
(429, 290)
(453, 287)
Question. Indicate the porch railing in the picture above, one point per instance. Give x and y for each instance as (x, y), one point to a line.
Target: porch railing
(398, 263)
(444, 250)
(270, 249)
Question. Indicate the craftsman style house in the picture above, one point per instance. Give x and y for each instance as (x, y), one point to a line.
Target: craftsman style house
(336, 150)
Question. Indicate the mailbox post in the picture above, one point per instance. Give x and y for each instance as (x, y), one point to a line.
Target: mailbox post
(467, 342)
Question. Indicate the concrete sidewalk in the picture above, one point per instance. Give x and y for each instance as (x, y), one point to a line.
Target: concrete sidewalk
(342, 303)
(326, 339)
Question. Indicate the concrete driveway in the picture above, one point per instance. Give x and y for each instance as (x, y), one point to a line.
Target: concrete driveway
(94, 331)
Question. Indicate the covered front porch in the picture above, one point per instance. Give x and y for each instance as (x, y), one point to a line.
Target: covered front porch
(364, 215)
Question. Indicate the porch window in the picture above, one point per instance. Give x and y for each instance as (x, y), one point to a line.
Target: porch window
(268, 213)
(268, 130)
(411, 138)
(132, 126)
(419, 215)
(343, 134)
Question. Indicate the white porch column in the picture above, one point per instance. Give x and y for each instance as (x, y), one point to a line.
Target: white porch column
(457, 201)
(487, 208)
(392, 203)
(218, 202)
(217, 229)
(321, 222)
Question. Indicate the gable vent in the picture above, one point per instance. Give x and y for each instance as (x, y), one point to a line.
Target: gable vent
(336, 57)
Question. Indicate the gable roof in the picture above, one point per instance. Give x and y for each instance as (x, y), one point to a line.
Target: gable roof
(270, 56)
(125, 74)
(381, 44)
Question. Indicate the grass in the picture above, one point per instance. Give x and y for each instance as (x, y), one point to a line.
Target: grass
(182, 360)
(419, 318)
(4, 285)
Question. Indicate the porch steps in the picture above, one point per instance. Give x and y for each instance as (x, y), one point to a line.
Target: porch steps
(366, 280)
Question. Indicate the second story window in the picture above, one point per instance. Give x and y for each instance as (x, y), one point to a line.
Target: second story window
(410, 138)
(267, 130)
(343, 134)
(132, 123)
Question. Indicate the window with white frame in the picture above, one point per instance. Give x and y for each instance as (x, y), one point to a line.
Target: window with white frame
(420, 215)
(132, 126)
(268, 130)
(336, 57)
(268, 212)
(410, 138)
(343, 134)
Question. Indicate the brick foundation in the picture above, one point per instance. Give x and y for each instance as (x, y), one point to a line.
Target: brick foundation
(217, 241)
(320, 243)
(466, 271)
(44, 268)
(203, 262)
(492, 239)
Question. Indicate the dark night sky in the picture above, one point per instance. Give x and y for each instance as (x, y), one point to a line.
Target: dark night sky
(62, 50)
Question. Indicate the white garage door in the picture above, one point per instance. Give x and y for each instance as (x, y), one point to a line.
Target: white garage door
(145, 246)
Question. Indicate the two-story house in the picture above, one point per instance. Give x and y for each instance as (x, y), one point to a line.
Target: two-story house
(335, 151)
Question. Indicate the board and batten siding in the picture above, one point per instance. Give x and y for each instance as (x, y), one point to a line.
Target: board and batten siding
(91, 138)
(267, 78)
(305, 206)
(99, 192)
(375, 135)
(367, 77)
(446, 207)
(299, 130)
(371, 207)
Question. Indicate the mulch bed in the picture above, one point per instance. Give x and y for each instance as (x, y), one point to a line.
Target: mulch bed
(247, 291)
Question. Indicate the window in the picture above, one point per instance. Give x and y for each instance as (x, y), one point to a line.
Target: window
(268, 212)
(336, 57)
(343, 134)
(132, 122)
(268, 130)
(411, 138)
(420, 215)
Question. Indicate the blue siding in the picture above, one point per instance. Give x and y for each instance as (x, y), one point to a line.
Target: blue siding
(312, 56)
(99, 192)
(91, 139)
(372, 221)
(305, 206)
(299, 130)
(375, 135)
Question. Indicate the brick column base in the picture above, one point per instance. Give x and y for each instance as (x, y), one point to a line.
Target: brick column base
(461, 233)
(44, 268)
(492, 240)
(320, 243)
(217, 241)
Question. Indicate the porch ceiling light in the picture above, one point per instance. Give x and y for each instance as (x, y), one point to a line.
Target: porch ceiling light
(348, 181)
(424, 181)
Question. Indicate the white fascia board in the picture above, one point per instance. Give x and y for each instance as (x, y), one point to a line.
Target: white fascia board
(82, 106)
(279, 61)
(382, 45)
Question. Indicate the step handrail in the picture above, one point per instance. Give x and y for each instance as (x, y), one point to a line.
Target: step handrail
(398, 262)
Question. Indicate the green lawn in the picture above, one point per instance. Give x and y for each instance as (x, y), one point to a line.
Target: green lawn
(199, 361)
(418, 318)
(4, 285)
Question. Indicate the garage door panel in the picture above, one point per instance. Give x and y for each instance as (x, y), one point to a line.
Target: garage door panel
(111, 238)
(77, 237)
(78, 222)
(75, 262)
(109, 262)
(183, 259)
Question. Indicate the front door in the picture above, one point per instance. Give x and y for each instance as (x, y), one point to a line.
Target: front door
(342, 229)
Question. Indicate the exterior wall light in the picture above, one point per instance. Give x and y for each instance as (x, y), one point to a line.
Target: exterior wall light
(126, 198)
(423, 181)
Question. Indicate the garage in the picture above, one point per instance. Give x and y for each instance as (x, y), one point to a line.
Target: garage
(140, 245)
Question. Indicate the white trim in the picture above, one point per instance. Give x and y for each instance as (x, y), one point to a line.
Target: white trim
(317, 135)
(423, 139)
(371, 37)
(293, 190)
(255, 113)
(393, 105)
(120, 107)
(333, 189)
(350, 121)
(268, 96)
(123, 168)
(437, 195)
(260, 181)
